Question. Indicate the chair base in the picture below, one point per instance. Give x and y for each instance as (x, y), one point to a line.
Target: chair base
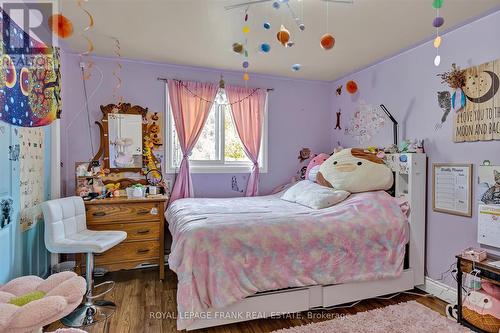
(87, 315)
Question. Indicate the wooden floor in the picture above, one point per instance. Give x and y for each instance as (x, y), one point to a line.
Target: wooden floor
(139, 293)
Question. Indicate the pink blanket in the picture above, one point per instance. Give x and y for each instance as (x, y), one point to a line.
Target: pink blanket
(224, 250)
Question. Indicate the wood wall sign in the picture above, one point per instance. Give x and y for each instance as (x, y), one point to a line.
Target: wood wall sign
(480, 119)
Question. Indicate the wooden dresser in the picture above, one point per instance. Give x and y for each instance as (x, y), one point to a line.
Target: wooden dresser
(141, 219)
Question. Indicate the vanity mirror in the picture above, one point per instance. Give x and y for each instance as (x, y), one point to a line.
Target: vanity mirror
(123, 128)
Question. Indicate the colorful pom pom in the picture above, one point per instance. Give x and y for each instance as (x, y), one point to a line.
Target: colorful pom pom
(351, 87)
(438, 22)
(437, 4)
(437, 42)
(327, 41)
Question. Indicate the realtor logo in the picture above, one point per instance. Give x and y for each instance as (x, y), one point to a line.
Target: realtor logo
(25, 28)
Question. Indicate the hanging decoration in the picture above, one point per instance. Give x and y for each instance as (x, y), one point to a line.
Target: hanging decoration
(444, 101)
(60, 25)
(36, 100)
(456, 80)
(294, 16)
(246, 31)
(351, 87)
(221, 85)
(117, 71)
(283, 35)
(366, 122)
(339, 114)
(265, 47)
(238, 47)
(437, 23)
(90, 44)
(327, 41)
(339, 90)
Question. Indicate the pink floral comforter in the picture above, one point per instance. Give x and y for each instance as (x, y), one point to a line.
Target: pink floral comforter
(224, 250)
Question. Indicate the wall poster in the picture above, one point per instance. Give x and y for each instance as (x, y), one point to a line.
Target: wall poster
(31, 142)
(480, 119)
(488, 189)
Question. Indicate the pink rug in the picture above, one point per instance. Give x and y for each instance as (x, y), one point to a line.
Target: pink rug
(410, 317)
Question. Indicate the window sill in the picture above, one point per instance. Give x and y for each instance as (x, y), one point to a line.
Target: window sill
(195, 169)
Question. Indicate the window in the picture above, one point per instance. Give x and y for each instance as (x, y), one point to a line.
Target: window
(219, 148)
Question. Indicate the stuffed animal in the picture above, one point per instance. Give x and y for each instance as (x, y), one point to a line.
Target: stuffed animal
(482, 310)
(355, 170)
(317, 160)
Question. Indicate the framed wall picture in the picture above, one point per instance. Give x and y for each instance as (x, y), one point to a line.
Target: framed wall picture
(452, 188)
(488, 189)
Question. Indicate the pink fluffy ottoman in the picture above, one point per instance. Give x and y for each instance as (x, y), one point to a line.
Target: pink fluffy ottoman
(62, 293)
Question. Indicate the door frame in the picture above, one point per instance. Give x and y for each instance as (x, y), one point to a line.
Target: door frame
(55, 170)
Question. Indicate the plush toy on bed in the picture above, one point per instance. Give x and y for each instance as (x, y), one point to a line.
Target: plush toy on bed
(355, 170)
(314, 164)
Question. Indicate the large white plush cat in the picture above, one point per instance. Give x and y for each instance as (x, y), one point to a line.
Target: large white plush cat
(355, 170)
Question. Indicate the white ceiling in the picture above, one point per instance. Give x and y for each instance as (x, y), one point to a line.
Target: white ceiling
(201, 32)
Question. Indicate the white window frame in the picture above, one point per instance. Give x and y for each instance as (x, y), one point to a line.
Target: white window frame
(219, 166)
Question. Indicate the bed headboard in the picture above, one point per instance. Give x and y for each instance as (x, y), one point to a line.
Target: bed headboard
(410, 180)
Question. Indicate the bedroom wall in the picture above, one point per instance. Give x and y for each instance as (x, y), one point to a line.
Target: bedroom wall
(297, 113)
(407, 85)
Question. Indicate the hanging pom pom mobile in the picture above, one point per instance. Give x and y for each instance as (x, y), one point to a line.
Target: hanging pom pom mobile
(327, 41)
(246, 31)
(437, 23)
(60, 25)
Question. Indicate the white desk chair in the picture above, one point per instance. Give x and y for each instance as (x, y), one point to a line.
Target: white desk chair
(66, 232)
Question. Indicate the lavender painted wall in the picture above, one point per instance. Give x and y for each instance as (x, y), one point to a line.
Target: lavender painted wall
(407, 85)
(298, 115)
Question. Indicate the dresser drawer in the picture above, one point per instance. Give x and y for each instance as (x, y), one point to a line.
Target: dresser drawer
(135, 231)
(113, 267)
(129, 251)
(119, 213)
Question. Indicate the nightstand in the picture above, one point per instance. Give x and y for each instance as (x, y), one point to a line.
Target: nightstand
(143, 221)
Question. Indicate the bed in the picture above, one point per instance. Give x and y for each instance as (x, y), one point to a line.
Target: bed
(246, 258)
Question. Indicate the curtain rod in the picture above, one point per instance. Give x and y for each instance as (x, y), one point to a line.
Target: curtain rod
(165, 79)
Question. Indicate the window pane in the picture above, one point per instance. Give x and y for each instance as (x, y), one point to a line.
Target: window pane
(176, 148)
(206, 147)
(233, 148)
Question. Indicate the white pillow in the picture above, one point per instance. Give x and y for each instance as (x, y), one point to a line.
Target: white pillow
(313, 195)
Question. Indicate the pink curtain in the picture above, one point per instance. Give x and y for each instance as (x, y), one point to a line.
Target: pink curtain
(247, 106)
(191, 103)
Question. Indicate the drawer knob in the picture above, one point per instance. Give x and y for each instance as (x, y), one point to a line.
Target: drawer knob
(143, 212)
(99, 214)
(142, 251)
(143, 231)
